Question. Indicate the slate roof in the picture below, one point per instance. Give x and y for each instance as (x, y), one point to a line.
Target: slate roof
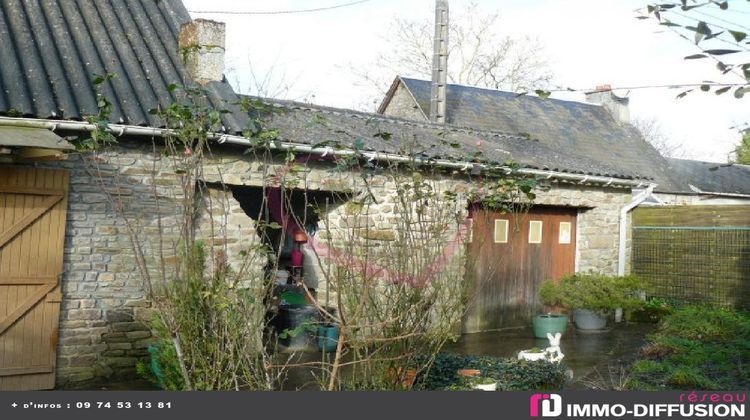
(713, 177)
(580, 130)
(50, 51)
(311, 124)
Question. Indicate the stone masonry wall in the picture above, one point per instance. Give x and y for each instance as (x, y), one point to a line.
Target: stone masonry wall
(104, 314)
(598, 222)
(228, 234)
(402, 105)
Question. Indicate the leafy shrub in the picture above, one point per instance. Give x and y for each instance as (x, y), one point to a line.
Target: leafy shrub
(218, 327)
(653, 310)
(696, 347)
(705, 324)
(593, 291)
(510, 374)
(163, 369)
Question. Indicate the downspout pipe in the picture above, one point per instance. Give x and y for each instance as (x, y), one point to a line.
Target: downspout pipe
(121, 130)
(637, 200)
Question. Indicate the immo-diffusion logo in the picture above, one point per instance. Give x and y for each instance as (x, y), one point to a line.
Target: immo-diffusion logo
(551, 405)
(705, 405)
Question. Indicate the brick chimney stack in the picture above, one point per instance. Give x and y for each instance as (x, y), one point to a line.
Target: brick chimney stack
(202, 46)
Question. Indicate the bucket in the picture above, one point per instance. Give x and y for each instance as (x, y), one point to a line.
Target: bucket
(292, 298)
(328, 337)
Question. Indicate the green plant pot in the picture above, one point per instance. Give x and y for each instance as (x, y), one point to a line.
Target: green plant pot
(549, 323)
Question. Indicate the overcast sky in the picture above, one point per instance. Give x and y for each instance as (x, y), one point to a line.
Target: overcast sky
(588, 42)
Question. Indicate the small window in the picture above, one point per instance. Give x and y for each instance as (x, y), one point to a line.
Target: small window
(501, 231)
(565, 232)
(535, 232)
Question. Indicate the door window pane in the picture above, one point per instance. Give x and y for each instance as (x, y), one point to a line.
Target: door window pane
(535, 232)
(501, 231)
(565, 232)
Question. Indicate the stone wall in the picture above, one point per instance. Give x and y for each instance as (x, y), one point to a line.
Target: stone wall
(367, 231)
(104, 312)
(403, 105)
(598, 222)
(228, 234)
(104, 315)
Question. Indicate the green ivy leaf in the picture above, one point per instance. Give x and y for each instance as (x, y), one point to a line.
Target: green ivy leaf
(383, 135)
(669, 23)
(721, 52)
(701, 30)
(684, 94)
(738, 36)
(544, 94)
(722, 90)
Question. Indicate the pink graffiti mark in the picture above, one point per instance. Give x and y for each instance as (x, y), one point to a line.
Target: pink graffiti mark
(367, 268)
(372, 270)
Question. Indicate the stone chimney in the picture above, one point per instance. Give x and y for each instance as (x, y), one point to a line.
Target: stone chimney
(201, 44)
(439, 64)
(616, 105)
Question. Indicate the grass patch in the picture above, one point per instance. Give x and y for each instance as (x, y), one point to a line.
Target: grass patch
(696, 347)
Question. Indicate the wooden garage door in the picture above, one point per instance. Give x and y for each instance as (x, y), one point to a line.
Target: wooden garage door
(509, 257)
(32, 231)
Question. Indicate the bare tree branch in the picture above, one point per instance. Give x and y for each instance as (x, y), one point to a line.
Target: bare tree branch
(653, 133)
(479, 54)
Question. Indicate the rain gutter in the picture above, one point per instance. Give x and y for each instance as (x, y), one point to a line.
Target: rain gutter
(122, 130)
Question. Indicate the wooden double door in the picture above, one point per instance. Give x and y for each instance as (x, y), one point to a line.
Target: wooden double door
(510, 255)
(33, 206)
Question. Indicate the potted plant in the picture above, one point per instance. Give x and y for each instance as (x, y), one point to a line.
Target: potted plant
(550, 295)
(592, 296)
(532, 355)
(485, 384)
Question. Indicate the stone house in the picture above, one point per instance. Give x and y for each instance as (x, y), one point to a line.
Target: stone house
(598, 129)
(73, 308)
(687, 201)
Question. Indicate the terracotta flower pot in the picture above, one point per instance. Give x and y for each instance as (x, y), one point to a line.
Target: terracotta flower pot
(468, 373)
